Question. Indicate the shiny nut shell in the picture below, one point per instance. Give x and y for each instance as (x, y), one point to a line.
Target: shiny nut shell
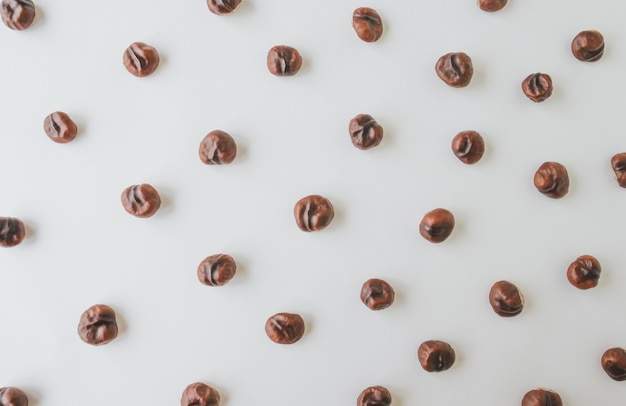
(12, 396)
(17, 14)
(377, 294)
(217, 148)
(141, 200)
(542, 397)
(285, 328)
(435, 355)
(614, 363)
(491, 5)
(437, 225)
(584, 272)
(455, 69)
(223, 7)
(537, 87)
(367, 24)
(618, 164)
(588, 46)
(365, 132)
(313, 213)
(141, 59)
(468, 146)
(200, 394)
(505, 299)
(552, 180)
(284, 60)
(374, 396)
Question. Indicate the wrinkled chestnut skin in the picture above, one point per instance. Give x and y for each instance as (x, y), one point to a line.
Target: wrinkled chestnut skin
(141, 59)
(584, 273)
(618, 164)
(223, 7)
(313, 213)
(614, 363)
(17, 14)
(11, 396)
(97, 325)
(506, 299)
(435, 356)
(588, 46)
(374, 396)
(542, 397)
(455, 69)
(491, 5)
(283, 60)
(141, 200)
(59, 127)
(437, 225)
(200, 394)
(468, 146)
(377, 294)
(12, 232)
(537, 87)
(552, 180)
(367, 24)
(217, 148)
(217, 270)
(365, 132)
(285, 328)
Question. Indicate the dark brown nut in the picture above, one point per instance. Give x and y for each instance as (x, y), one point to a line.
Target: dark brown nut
(223, 7)
(491, 5)
(618, 163)
(141, 59)
(97, 325)
(313, 213)
(12, 232)
(584, 273)
(455, 69)
(200, 394)
(218, 148)
(468, 146)
(506, 299)
(614, 363)
(283, 60)
(435, 356)
(17, 14)
(377, 294)
(542, 397)
(141, 200)
(285, 328)
(437, 225)
(217, 270)
(367, 24)
(588, 46)
(374, 396)
(60, 127)
(537, 87)
(12, 396)
(552, 180)
(365, 132)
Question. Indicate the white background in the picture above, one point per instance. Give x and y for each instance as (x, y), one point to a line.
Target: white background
(82, 248)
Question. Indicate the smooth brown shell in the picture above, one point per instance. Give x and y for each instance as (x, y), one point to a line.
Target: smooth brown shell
(285, 328)
(98, 325)
(313, 213)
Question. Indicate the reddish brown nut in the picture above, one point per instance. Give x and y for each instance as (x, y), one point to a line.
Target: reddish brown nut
(552, 180)
(374, 396)
(588, 46)
(141, 59)
(491, 5)
(435, 356)
(365, 132)
(283, 60)
(12, 232)
(98, 325)
(60, 127)
(468, 146)
(367, 24)
(437, 225)
(313, 213)
(217, 148)
(618, 163)
(12, 396)
(200, 394)
(455, 69)
(506, 299)
(223, 7)
(614, 363)
(537, 87)
(285, 328)
(17, 14)
(377, 294)
(217, 270)
(141, 200)
(542, 397)
(584, 273)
